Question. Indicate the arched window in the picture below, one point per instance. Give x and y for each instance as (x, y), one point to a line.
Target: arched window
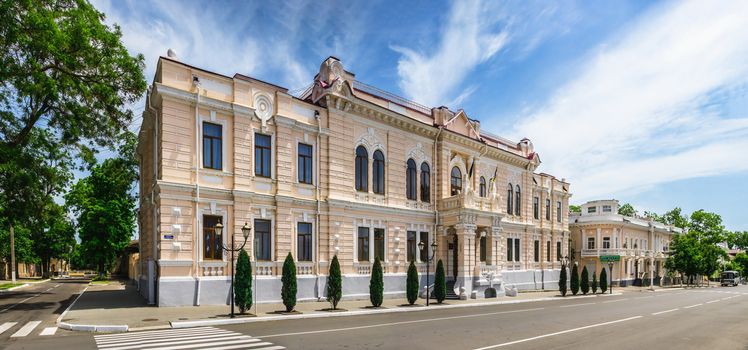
(362, 169)
(456, 181)
(425, 183)
(482, 188)
(377, 175)
(509, 199)
(410, 180)
(518, 199)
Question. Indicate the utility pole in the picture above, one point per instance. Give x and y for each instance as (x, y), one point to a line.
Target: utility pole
(12, 256)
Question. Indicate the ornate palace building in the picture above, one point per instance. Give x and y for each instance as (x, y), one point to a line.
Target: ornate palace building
(341, 169)
(640, 244)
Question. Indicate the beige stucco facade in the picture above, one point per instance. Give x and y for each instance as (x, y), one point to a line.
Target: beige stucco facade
(642, 244)
(335, 117)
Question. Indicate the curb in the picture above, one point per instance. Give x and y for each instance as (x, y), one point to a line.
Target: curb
(14, 288)
(93, 328)
(212, 322)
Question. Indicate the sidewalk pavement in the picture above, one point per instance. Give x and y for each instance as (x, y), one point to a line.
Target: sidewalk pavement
(118, 307)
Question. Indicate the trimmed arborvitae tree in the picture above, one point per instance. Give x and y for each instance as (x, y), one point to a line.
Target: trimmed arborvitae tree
(594, 283)
(574, 280)
(376, 284)
(243, 282)
(603, 281)
(334, 283)
(288, 291)
(440, 283)
(412, 284)
(562, 281)
(585, 281)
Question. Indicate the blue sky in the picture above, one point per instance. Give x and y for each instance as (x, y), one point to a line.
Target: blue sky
(645, 102)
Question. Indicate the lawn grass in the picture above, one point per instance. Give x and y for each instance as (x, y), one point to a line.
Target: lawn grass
(4, 286)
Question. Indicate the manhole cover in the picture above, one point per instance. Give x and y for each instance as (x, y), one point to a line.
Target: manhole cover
(150, 319)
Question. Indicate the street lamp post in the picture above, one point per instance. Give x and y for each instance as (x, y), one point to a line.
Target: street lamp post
(245, 232)
(421, 245)
(610, 268)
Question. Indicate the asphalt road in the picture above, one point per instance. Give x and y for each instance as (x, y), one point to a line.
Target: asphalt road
(680, 319)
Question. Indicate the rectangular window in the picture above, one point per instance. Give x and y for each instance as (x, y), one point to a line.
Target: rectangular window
(304, 241)
(211, 241)
(536, 250)
(606, 242)
(509, 255)
(536, 208)
(425, 251)
(548, 209)
(558, 211)
(379, 243)
(607, 209)
(483, 248)
(304, 164)
(558, 251)
(548, 251)
(590, 242)
(262, 155)
(262, 240)
(212, 138)
(412, 246)
(516, 249)
(363, 244)
(591, 210)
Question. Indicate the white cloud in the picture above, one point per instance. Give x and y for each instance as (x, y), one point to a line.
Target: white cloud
(638, 113)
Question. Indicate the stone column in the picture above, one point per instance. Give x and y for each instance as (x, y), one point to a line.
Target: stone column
(465, 239)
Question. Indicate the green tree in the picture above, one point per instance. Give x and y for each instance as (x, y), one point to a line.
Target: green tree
(603, 281)
(412, 283)
(627, 210)
(440, 283)
(654, 216)
(334, 283)
(288, 290)
(707, 227)
(376, 284)
(54, 236)
(676, 218)
(562, 281)
(574, 280)
(741, 260)
(575, 208)
(594, 283)
(243, 282)
(585, 281)
(105, 207)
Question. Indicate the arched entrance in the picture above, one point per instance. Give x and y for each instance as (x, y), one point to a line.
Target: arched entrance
(452, 256)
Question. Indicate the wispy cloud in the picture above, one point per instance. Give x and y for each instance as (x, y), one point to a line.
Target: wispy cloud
(641, 110)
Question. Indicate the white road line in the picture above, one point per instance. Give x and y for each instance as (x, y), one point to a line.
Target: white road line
(158, 334)
(168, 331)
(578, 305)
(666, 311)
(168, 340)
(557, 333)
(242, 342)
(712, 301)
(397, 323)
(614, 301)
(26, 329)
(164, 342)
(6, 326)
(247, 346)
(49, 331)
(688, 307)
(144, 337)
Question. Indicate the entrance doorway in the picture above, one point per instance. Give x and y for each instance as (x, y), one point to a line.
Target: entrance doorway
(452, 257)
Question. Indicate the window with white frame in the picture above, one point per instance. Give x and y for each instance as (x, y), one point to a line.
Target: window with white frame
(424, 252)
(263, 237)
(304, 241)
(379, 243)
(362, 241)
(304, 163)
(606, 242)
(590, 242)
(411, 245)
(263, 145)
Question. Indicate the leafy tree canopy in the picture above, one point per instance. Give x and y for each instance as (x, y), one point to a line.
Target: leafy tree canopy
(575, 208)
(627, 210)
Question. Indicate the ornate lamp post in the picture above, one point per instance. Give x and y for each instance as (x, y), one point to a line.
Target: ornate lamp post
(421, 245)
(245, 232)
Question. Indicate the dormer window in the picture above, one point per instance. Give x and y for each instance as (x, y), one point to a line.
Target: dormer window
(591, 210)
(607, 209)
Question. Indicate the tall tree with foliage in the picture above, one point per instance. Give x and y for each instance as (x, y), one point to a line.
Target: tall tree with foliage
(412, 284)
(574, 280)
(54, 236)
(603, 281)
(440, 283)
(741, 260)
(594, 283)
(676, 218)
(105, 207)
(575, 208)
(627, 210)
(334, 283)
(585, 283)
(288, 280)
(243, 282)
(562, 281)
(684, 255)
(376, 284)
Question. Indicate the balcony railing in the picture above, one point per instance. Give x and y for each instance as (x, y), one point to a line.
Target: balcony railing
(470, 200)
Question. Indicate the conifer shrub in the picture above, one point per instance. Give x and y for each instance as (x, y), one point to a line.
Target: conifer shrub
(603, 281)
(243, 282)
(594, 283)
(440, 283)
(376, 284)
(562, 281)
(412, 283)
(585, 281)
(288, 290)
(574, 280)
(334, 283)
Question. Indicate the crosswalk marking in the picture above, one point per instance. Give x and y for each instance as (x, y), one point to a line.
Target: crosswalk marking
(6, 326)
(26, 329)
(182, 339)
(49, 331)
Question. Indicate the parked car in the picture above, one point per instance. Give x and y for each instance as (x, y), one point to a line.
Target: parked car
(731, 278)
